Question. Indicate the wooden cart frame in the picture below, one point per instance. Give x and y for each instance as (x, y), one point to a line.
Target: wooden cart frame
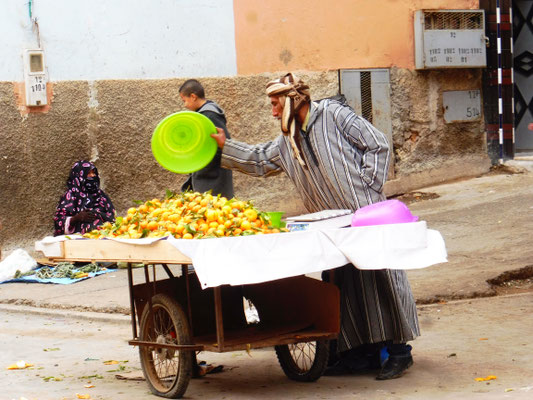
(172, 317)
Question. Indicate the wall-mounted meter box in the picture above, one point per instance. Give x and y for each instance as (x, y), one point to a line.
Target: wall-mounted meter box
(35, 77)
(450, 39)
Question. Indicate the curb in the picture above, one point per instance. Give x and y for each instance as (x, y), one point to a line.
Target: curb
(65, 313)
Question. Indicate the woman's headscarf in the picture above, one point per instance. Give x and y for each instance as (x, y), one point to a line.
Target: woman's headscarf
(83, 193)
(293, 93)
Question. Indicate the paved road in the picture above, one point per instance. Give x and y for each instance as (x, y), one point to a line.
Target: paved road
(460, 341)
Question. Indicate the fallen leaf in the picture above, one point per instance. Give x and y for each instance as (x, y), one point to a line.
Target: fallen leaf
(83, 396)
(89, 386)
(20, 365)
(91, 377)
(487, 378)
(52, 378)
(110, 362)
(508, 390)
(51, 349)
(483, 338)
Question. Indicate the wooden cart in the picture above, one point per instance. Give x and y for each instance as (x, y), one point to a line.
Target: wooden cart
(172, 317)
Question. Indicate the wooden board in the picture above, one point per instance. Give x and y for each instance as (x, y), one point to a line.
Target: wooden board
(159, 252)
(246, 340)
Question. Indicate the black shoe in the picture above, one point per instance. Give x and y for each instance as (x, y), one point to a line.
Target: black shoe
(394, 367)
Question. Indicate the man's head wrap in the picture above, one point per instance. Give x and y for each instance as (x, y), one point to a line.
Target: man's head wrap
(293, 93)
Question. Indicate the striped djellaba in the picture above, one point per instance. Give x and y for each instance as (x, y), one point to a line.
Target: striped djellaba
(346, 167)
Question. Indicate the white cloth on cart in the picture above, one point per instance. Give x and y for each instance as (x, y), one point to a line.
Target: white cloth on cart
(260, 258)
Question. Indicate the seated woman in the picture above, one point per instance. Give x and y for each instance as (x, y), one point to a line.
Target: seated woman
(84, 206)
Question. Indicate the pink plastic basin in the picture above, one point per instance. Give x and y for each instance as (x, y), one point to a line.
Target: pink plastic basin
(384, 212)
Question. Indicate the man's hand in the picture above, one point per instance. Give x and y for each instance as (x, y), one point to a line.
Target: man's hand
(220, 137)
(84, 216)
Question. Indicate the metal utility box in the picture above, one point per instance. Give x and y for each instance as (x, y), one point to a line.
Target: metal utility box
(450, 39)
(461, 106)
(35, 78)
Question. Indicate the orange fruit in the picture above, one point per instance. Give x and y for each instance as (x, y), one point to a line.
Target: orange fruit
(203, 227)
(187, 236)
(251, 214)
(226, 209)
(152, 225)
(210, 215)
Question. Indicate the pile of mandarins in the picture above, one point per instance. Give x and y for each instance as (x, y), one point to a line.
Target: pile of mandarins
(188, 215)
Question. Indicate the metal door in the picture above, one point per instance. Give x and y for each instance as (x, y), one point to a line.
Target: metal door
(367, 91)
(523, 73)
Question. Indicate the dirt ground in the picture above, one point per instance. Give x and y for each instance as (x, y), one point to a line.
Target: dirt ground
(461, 341)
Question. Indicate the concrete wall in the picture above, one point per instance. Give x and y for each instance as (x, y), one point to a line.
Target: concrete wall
(427, 150)
(112, 121)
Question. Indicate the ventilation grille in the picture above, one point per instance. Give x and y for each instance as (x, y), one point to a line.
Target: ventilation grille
(440, 20)
(366, 95)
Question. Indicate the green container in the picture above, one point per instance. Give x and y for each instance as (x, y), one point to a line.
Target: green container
(182, 142)
(275, 219)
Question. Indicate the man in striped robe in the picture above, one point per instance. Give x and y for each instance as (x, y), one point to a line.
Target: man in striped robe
(337, 160)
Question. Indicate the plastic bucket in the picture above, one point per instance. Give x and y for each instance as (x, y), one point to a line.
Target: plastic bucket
(384, 212)
(275, 218)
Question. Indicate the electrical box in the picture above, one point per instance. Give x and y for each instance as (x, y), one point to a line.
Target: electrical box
(461, 106)
(35, 77)
(450, 39)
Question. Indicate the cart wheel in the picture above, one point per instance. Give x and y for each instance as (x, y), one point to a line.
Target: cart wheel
(304, 362)
(167, 371)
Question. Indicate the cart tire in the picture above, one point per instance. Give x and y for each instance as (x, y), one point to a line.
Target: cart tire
(167, 371)
(304, 362)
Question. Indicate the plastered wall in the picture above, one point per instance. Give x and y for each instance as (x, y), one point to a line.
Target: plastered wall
(111, 122)
(319, 35)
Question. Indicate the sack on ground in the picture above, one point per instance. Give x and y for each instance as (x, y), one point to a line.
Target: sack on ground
(19, 260)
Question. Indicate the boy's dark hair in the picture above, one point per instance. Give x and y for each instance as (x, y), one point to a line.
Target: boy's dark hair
(192, 86)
